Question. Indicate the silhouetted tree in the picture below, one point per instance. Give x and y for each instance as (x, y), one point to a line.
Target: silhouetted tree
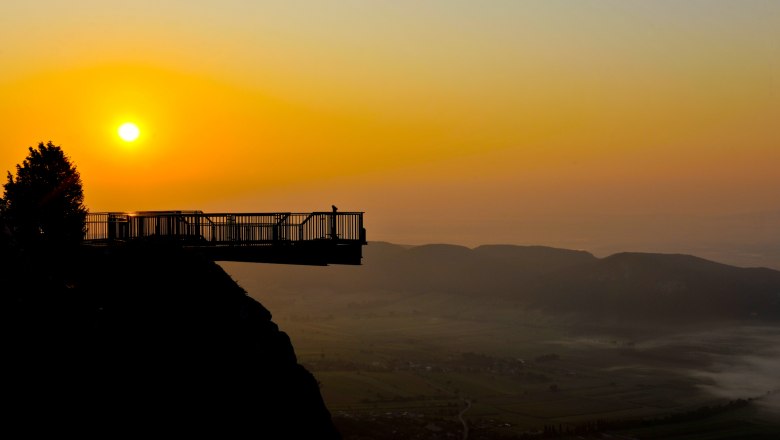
(5, 231)
(44, 203)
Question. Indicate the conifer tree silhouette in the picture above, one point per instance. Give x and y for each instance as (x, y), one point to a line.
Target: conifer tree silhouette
(43, 204)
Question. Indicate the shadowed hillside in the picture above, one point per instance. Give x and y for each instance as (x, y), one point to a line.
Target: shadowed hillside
(625, 286)
(662, 287)
(432, 268)
(145, 340)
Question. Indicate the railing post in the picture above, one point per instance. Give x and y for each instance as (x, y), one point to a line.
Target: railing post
(111, 227)
(197, 226)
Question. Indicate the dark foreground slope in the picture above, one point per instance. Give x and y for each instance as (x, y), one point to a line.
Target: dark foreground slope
(144, 340)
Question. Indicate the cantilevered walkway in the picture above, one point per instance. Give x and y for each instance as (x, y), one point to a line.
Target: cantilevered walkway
(317, 238)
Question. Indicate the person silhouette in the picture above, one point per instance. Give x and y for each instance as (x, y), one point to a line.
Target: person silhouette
(333, 234)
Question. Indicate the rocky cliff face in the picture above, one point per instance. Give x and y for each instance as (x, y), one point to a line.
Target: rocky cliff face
(148, 340)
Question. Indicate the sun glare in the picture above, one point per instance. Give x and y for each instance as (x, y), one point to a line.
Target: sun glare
(129, 132)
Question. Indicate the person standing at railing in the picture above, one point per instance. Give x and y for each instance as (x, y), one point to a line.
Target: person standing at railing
(333, 234)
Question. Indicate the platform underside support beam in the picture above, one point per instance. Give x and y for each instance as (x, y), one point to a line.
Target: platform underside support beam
(313, 254)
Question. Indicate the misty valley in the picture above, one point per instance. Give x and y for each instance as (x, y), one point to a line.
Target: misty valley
(443, 341)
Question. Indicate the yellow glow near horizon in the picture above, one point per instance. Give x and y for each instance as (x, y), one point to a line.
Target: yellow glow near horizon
(129, 132)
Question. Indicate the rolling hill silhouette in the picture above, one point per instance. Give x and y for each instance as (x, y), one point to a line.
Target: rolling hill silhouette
(437, 268)
(148, 340)
(662, 287)
(626, 286)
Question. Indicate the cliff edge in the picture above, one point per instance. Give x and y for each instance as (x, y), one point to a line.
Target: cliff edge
(147, 340)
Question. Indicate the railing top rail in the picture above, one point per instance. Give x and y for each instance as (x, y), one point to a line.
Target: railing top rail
(146, 213)
(162, 213)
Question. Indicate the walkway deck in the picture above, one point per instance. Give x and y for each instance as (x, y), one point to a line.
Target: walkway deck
(316, 238)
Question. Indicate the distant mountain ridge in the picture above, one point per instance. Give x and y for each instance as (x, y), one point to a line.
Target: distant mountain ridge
(666, 287)
(672, 286)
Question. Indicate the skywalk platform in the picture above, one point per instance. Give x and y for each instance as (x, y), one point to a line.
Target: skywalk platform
(316, 238)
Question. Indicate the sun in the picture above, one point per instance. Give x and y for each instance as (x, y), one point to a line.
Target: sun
(129, 132)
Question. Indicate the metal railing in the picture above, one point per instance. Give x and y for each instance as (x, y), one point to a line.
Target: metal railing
(233, 229)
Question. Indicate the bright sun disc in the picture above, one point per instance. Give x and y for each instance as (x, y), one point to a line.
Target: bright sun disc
(129, 132)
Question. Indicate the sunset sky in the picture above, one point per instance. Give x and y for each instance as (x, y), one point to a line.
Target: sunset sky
(599, 125)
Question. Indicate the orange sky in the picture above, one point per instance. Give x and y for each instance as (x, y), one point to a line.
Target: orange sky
(603, 125)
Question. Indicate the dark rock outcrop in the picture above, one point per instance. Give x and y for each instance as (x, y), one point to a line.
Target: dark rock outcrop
(120, 340)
